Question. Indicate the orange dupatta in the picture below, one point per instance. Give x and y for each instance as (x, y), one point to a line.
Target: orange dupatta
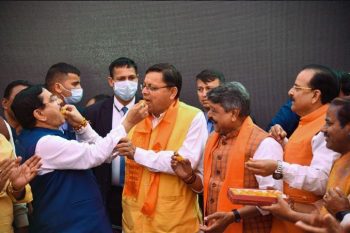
(234, 171)
(141, 138)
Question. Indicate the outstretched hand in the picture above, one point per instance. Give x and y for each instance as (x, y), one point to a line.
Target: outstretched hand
(6, 166)
(182, 168)
(319, 224)
(335, 200)
(261, 167)
(135, 115)
(21, 175)
(217, 222)
(278, 133)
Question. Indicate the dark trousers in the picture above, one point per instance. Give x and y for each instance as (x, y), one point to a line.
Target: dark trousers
(114, 206)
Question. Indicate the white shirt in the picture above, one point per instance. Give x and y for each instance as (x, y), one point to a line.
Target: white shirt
(312, 178)
(88, 151)
(117, 117)
(191, 149)
(269, 148)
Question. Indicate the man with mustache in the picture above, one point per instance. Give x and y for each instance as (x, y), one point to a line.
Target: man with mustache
(307, 160)
(236, 140)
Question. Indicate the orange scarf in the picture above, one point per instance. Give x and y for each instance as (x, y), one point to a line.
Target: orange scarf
(234, 171)
(141, 138)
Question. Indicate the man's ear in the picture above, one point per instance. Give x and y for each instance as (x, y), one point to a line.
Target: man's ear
(58, 88)
(316, 96)
(4, 103)
(174, 91)
(235, 114)
(38, 114)
(347, 128)
(110, 81)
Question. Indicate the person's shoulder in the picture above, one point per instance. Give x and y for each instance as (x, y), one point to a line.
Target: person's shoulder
(3, 128)
(189, 107)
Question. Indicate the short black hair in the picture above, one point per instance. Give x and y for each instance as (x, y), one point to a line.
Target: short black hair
(13, 84)
(171, 76)
(344, 109)
(122, 62)
(231, 95)
(210, 75)
(344, 78)
(324, 80)
(24, 104)
(55, 72)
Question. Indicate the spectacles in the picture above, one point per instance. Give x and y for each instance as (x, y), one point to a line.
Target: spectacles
(151, 88)
(298, 88)
(52, 99)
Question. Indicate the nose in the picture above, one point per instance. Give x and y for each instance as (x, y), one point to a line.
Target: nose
(209, 114)
(144, 91)
(204, 93)
(290, 92)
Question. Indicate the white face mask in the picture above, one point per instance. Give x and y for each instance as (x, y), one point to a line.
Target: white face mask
(77, 95)
(126, 90)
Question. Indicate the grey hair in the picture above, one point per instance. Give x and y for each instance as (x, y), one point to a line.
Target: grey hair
(231, 95)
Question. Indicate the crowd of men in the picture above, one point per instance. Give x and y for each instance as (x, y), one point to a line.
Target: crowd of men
(147, 162)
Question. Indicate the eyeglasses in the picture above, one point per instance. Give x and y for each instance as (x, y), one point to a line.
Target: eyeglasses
(298, 88)
(151, 88)
(52, 99)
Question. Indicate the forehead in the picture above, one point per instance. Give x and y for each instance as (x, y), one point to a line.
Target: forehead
(332, 112)
(215, 106)
(213, 83)
(15, 90)
(71, 78)
(304, 77)
(123, 71)
(154, 77)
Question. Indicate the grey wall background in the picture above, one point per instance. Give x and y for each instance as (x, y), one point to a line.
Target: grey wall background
(261, 44)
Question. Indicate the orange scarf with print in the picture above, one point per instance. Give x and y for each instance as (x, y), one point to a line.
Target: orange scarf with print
(141, 138)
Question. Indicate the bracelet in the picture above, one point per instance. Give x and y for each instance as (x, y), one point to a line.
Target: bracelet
(82, 124)
(191, 179)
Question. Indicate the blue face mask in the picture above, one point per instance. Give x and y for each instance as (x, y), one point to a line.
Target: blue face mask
(125, 90)
(77, 95)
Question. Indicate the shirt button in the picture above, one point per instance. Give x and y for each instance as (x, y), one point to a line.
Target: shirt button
(218, 172)
(219, 157)
(212, 200)
(213, 185)
(224, 142)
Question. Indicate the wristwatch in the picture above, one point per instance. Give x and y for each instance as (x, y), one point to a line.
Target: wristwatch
(237, 215)
(278, 173)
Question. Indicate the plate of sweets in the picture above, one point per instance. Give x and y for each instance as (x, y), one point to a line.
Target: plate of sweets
(257, 197)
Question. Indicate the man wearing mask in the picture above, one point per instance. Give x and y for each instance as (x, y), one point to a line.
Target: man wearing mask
(106, 115)
(63, 80)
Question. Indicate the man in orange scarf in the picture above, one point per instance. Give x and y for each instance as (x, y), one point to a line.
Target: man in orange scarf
(154, 198)
(236, 139)
(307, 160)
(335, 204)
